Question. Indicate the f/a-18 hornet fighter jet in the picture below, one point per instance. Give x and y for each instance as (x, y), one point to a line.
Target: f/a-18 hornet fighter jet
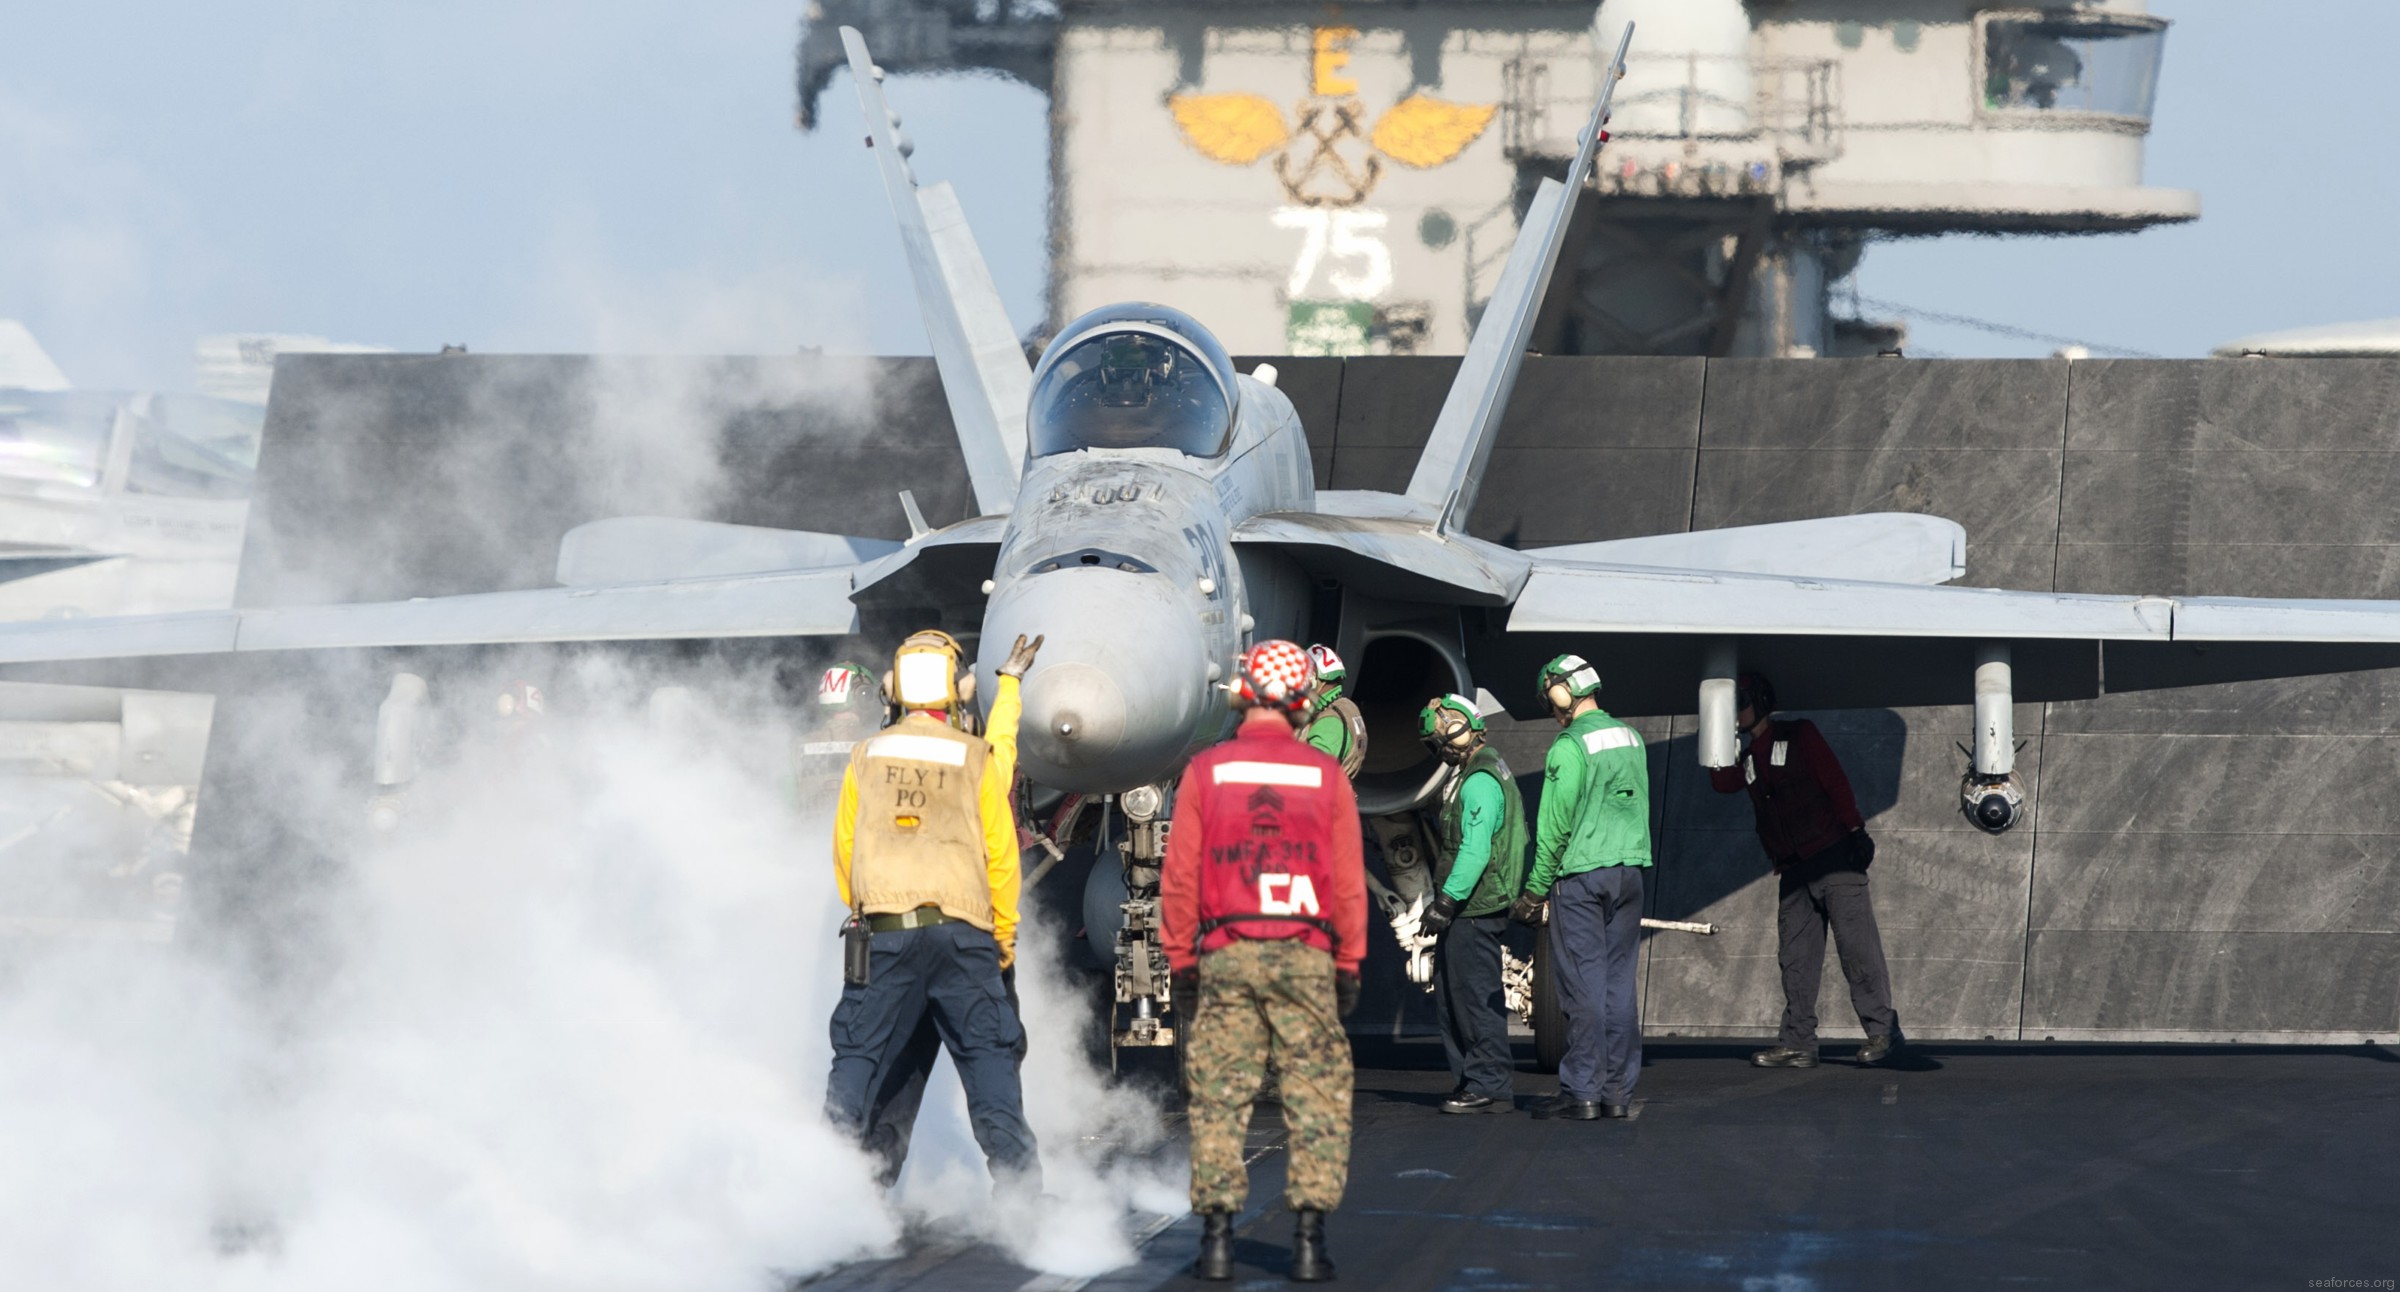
(1151, 510)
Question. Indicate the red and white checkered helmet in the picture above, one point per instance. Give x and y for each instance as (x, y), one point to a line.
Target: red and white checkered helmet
(1275, 675)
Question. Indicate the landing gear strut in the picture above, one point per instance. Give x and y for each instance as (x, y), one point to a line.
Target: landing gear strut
(1143, 1013)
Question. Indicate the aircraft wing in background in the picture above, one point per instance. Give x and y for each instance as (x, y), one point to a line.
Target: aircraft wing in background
(1844, 643)
(789, 604)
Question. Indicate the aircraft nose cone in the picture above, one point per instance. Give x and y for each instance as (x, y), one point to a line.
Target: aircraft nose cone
(1074, 715)
(1122, 681)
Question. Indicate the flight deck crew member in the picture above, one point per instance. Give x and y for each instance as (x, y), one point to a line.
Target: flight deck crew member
(900, 1082)
(848, 708)
(1808, 821)
(1334, 723)
(925, 854)
(1591, 845)
(1263, 915)
(1480, 835)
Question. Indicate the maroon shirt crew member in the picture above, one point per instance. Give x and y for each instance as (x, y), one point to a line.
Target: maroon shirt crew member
(1809, 824)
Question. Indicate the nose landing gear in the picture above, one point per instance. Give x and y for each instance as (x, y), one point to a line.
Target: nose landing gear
(1143, 1012)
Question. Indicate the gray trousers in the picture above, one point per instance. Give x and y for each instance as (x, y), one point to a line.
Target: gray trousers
(1595, 945)
(1805, 909)
(1473, 1007)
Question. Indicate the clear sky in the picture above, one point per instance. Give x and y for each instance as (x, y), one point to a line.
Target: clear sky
(540, 175)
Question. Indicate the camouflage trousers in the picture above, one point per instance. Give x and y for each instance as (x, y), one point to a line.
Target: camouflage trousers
(1262, 1003)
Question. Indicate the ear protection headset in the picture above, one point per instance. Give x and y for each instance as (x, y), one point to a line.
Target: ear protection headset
(1567, 679)
(925, 673)
(1451, 726)
(1754, 692)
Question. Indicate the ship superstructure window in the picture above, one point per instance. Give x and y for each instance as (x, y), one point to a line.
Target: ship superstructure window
(1133, 377)
(193, 446)
(2072, 63)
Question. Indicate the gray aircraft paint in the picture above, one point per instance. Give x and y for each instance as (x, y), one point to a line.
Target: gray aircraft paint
(1120, 700)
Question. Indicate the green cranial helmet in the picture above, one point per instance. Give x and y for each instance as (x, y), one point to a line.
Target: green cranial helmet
(1571, 674)
(1451, 726)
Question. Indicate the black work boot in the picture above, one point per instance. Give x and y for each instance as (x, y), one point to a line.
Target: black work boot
(1879, 1048)
(1215, 1262)
(1566, 1107)
(1784, 1056)
(1310, 1264)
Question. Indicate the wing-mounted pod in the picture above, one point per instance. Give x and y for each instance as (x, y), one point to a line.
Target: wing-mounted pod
(984, 375)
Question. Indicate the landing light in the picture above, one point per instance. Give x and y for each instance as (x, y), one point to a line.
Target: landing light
(1141, 802)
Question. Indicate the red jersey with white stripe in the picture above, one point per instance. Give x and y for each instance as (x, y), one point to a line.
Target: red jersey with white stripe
(1265, 845)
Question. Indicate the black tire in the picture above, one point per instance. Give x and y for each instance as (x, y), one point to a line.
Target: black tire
(1549, 1021)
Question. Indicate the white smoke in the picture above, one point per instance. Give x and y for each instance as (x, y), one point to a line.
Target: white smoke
(564, 1028)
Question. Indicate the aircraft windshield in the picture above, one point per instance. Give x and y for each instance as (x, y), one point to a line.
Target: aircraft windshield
(55, 437)
(1147, 384)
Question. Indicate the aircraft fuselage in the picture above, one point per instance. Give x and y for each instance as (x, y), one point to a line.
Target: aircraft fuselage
(1124, 559)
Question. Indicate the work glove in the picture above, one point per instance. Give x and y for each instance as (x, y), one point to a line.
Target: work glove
(1862, 846)
(1183, 995)
(1532, 908)
(1346, 987)
(1008, 957)
(1438, 917)
(1020, 657)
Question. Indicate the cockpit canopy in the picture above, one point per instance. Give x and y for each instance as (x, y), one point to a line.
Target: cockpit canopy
(1133, 377)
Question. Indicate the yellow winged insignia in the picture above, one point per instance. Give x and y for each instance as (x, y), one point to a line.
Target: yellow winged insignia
(1236, 129)
(1423, 131)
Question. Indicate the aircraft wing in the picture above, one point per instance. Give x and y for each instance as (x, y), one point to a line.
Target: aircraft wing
(984, 373)
(25, 560)
(1878, 547)
(1837, 643)
(1383, 545)
(1450, 472)
(797, 603)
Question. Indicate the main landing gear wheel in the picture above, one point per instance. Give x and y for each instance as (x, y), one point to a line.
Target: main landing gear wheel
(1549, 1021)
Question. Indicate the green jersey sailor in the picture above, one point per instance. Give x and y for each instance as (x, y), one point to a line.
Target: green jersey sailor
(1480, 858)
(1335, 726)
(1591, 845)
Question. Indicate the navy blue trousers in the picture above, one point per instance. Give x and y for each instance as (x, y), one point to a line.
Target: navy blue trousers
(900, 1091)
(950, 974)
(1595, 945)
(1473, 1008)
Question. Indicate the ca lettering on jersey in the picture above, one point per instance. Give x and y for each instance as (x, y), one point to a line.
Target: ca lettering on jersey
(1287, 895)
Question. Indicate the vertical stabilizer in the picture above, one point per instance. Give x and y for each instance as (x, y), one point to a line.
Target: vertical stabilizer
(24, 364)
(984, 374)
(1451, 470)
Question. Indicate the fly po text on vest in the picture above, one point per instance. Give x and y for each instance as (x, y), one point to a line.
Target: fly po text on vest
(910, 786)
